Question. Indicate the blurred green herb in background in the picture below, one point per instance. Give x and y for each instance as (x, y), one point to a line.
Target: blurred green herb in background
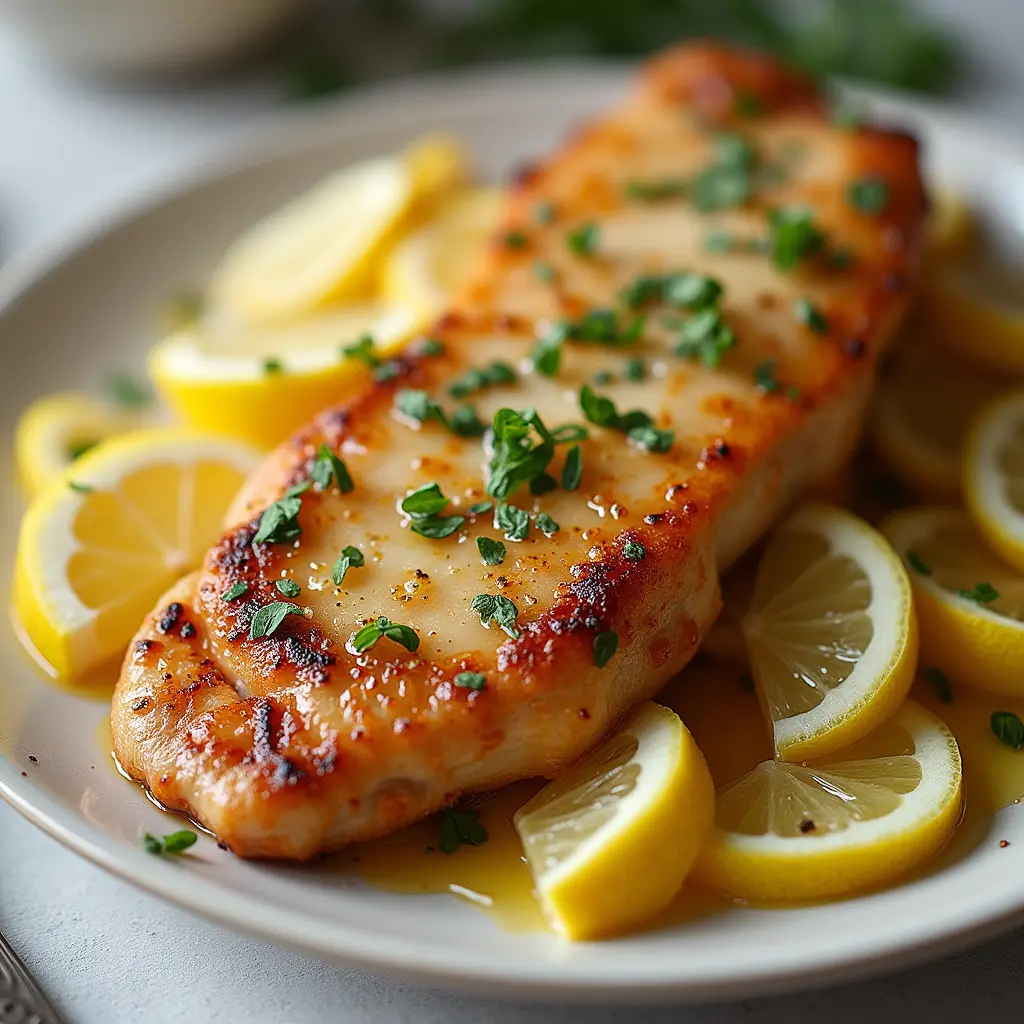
(883, 41)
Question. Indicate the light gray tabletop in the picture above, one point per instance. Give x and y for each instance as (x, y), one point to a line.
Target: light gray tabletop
(107, 954)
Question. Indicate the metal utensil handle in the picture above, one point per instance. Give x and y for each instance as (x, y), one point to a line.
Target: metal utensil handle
(21, 1001)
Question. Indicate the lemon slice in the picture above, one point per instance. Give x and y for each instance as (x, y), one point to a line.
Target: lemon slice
(325, 244)
(423, 268)
(831, 632)
(787, 832)
(261, 384)
(610, 842)
(922, 409)
(994, 476)
(974, 308)
(57, 428)
(970, 604)
(101, 543)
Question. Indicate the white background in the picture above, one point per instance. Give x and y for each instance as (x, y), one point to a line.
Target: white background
(107, 954)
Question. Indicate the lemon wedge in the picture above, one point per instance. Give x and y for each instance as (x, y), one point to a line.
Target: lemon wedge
(260, 384)
(100, 543)
(973, 307)
(58, 428)
(325, 245)
(788, 832)
(611, 841)
(831, 632)
(423, 268)
(922, 409)
(970, 604)
(994, 476)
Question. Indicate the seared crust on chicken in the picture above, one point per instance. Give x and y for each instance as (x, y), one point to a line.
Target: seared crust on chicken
(722, 165)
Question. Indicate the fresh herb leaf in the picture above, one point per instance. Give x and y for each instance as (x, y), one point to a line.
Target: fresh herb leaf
(515, 458)
(477, 378)
(362, 351)
(430, 347)
(918, 564)
(603, 377)
(287, 588)
(516, 240)
(350, 558)
(479, 508)
(459, 828)
(634, 551)
(547, 525)
(497, 609)
(543, 483)
(940, 683)
(764, 377)
(572, 471)
(720, 241)
(270, 616)
(174, 843)
(465, 423)
(684, 290)
(514, 521)
(601, 411)
(1008, 728)
(383, 627)
(980, 593)
(300, 488)
(869, 194)
(271, 366)
(387, 371)
(471, 681)
(605, 646)
(651, 439)
(546, 354)
(793, 236)
(492, 552)
(419, 406)
(721, 187)
(634, 370)
(705, 336)
(279, 522)
(328, 466)
(809, 315)
(422, 506)
(568, 433)
(235, 591)
(583, 240)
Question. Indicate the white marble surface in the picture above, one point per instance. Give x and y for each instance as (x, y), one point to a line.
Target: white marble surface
(107, 954)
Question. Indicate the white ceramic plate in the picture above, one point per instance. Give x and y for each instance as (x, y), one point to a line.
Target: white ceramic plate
(70, 316)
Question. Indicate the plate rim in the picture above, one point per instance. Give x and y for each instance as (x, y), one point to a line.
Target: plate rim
(272, 137)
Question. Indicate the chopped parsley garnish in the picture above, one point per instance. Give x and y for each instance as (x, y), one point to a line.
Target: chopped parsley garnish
(300, 488)
(271, 366)
(478, 378)
(572, 471)
(465, 422)
(328, 467)
(651, 439)
(634, 370)
(366, 637)
(793, 236)
(512, 520)
(459, 828)
(479, 508)
(362, 351)
(940, 684)
(652, 191)
(516, 240)
(1008, 729)
(634, 550)
(422, 506)
(721, 187)
(547, 353)
(430, 347)
(605, 646)
(492, 552)
(684, 290)
(497, 609)
(419, 406)
(583, 240)
(545, 212)
(869, 194)
(980, 593)
(764, 377)
(603, 377)
(350, 558)
(279, 522)
(74, 485)
(918, 564)
(598, 326)
(387, 371)
(174, 843)
(706, 337)
(270, 616)
(601, 411)
(543, 483)
(235, 591)
(720, 241)
(287, 588)
(471, 681)
(809, 314)
(545, 271)
(547, 525)
(516, 458)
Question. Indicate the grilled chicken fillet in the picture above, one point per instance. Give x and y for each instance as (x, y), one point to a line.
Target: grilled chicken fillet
(721, 166)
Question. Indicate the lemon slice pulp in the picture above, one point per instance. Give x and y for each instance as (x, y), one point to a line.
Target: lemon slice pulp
(643, 798)
(100, 544)
(831, 632)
